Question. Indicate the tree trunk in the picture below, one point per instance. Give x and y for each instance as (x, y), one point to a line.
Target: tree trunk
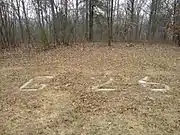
(178, 22)
(132, 20)
(150, 20)
(111, 24)
(65, 21)
(27, 22)
(174, 18)
(86, 34)
(137, 26)
(110, 20)
(54, 22)
(117, 28)
(19, 18)
(43, 33)
(91, 12)
(76, 20)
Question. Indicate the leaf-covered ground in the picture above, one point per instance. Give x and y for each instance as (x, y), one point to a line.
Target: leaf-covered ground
(69, 105)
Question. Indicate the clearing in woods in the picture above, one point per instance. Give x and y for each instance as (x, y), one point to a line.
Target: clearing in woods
(95, 90)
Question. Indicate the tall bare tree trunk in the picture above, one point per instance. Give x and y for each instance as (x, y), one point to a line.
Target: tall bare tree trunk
(140, 29)
(65, 38)
(5, 23)
(27, 22)
(54, 22)
(137, 26)
(76, 20)
(178, 22)
(174, 18)
(152, 8)
(155, 8)
(86, 34)
(2, 28)
(91, 12)
(43, 33)
(20, 20)
(111, 23)
(110, 20)
(117, 27)
(132, 19)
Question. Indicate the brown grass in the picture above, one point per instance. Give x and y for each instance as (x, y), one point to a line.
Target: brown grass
(68, 106)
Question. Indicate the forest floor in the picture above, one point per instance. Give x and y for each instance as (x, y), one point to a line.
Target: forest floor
(70, 104)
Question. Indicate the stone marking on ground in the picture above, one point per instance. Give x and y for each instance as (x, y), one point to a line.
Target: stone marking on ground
(153, 86)
(10, 69)
(99, 87)
(36, 83)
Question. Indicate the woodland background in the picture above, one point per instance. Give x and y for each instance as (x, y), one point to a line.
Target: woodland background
(54, 22)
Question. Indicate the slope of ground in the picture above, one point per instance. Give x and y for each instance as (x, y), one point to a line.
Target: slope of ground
(70, 106)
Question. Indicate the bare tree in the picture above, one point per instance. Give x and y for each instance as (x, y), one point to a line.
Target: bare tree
(20, 20)
(76, 20)
(131, 9)
(177, 21)
(52, 21)
(91, 14)
(86, 33)
(110, 21)
(26, 21)
(42, 31)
